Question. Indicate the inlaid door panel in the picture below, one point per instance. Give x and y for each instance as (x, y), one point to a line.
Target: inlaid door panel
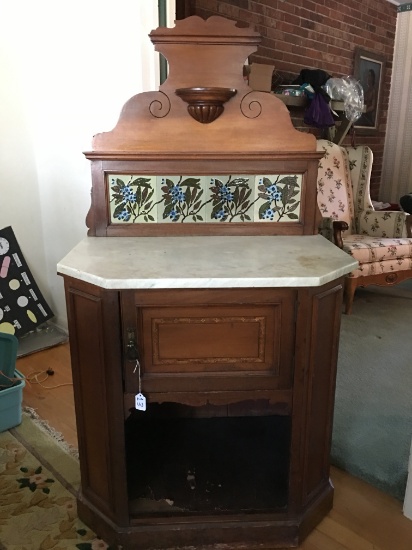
(214, 339)
(242, 343)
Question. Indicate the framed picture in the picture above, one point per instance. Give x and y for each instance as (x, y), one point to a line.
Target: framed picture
(369, 70)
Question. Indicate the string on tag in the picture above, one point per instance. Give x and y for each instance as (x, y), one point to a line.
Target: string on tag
(140, 399)
(140, 379)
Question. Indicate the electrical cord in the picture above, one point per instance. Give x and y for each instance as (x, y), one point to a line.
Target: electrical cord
(38, 377)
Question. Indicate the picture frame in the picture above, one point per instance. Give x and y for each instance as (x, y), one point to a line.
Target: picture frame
(369, 70)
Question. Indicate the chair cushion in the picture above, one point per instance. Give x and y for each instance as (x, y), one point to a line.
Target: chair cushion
(387, 266)
(368, 249)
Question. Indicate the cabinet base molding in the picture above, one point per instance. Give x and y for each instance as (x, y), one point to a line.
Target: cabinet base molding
(217, 532)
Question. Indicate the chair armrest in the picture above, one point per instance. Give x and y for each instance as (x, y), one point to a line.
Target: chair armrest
(381, 223)
(332, 230)
(338, 227)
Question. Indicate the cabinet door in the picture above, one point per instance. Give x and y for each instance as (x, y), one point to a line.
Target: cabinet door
(210, 340)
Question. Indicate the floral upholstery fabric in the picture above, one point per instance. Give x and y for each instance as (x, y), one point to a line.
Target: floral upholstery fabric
(382, 224)
(367, 220)
(367, 249)
(360, 166)
(387, 266)
(377, 239)
(334, 184)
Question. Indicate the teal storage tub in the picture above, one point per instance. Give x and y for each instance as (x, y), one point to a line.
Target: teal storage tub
(11, 404)
(8, 355)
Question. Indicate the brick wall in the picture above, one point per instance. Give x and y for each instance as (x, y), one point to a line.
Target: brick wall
(319, 34)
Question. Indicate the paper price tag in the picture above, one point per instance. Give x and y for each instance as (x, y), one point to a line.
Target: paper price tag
(140, 402)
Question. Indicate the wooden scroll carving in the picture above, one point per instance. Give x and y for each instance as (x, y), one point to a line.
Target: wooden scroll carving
(203, 54)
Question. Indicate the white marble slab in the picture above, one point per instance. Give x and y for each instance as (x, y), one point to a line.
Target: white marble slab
(206, 262)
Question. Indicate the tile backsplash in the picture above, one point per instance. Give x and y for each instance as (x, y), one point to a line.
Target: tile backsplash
(200, 199)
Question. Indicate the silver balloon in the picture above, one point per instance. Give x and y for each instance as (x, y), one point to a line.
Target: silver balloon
(348, 90)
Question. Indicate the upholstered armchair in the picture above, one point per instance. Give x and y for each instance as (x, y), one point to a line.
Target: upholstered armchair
(380, 241)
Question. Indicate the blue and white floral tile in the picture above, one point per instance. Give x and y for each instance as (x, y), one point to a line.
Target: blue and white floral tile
(132, 199)
(200, 199)
(182, 199)
(278, 198)
(230, 198)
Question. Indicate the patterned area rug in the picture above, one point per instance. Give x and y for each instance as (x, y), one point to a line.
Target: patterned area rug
(38, 484)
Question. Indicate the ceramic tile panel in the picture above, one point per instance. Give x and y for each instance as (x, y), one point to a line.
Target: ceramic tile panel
(200, 199)
(278, 198)
(132, 199)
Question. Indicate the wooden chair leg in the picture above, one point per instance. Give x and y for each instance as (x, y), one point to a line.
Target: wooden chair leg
(350, 287)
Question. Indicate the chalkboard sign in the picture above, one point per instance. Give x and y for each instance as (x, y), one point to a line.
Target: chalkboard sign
(22, 306)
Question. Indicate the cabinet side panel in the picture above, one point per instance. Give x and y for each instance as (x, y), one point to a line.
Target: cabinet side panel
(95, 390)
(325, 324)
(87, 312)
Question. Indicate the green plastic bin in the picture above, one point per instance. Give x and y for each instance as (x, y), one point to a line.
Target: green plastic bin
(11, 392)
(10, 403)
(8, 356)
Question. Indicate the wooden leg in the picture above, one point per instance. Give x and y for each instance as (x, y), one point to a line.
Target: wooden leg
(350, 286)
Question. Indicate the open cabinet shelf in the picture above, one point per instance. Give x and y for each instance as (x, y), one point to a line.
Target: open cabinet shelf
(188, 466)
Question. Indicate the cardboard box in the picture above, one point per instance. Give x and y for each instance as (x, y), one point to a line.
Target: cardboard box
(10, 404)
(260, 76)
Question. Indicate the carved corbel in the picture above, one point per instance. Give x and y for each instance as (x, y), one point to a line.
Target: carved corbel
(338, 227)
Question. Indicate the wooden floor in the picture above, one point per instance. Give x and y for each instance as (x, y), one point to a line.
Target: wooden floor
(362, 518)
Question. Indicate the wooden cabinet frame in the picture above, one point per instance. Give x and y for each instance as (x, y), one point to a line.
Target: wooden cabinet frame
(247, 352)
(102, 374)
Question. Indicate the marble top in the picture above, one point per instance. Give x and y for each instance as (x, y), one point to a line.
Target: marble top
(206, 262)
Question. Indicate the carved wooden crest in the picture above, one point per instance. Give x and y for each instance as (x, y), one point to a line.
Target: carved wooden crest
(205, 154)
(204, 54)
